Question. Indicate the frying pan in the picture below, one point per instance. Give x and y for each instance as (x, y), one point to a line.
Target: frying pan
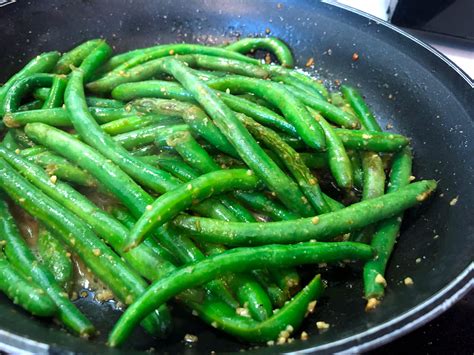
(408, 85)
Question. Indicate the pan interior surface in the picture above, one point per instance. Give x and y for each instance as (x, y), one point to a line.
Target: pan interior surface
(408, 87)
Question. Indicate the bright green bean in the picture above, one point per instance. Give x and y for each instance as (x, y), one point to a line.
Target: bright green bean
(322, 227)
(272, 44)
(239, 260)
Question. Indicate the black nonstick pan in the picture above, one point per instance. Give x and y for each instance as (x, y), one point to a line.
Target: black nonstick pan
(409, 86)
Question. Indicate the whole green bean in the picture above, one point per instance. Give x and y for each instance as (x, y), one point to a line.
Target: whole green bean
(56, 93)
(358, 104)
(272, 44)
(168, 205)
(386, 232)
(24, 292)
(23, 259)
(133, 58)
(42, 63)
(12, 98)
(75, 56)
(322, 227)
(339, 162)
(238, 135)
(95, 59)
(236, 260)
(372, 141)
(78, 238)
(53, 254)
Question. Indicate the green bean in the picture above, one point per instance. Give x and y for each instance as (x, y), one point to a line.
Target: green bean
(23, 259)
(170, 90)
(75, 56)
(24, 292)
(224, 65)
(358, 104)
(372, 141)
(238, 135)
(43, 93)
(130, 59)
(242, 213)
(55, 257)
(374, 176)
(56, 93)
(194, 116)
(21, 87)
(288, 318)
(154, 133)
(40, 64)
(295, 113)
(21, 139)
(239, 260)
(322, 227)
(55, 165)
(357, 170)
(168, 205)
(260, 203)
(305, 179)
(9, 141)
(386, 232)
(274, 45)
(339, 162)
(78, 238)
(373, 186)
(95, 59)
(315, 160)
(173, 165)
(134, 123)
(59, 117)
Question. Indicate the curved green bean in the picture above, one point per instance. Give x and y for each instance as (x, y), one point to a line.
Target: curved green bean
(42, 63)
(272, 44)
(75, 56)
(236, 260)
(168, 205)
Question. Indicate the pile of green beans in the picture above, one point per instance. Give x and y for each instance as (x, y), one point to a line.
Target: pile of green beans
(194, 175)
